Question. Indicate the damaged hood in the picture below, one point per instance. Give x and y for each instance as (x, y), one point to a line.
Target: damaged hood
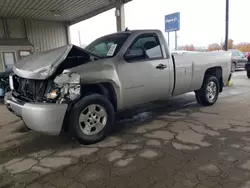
(42, 65)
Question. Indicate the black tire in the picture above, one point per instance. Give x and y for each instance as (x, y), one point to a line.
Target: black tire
(248, 74)
(73, 122)
(197, 98)
(233, 68)
(201, 95)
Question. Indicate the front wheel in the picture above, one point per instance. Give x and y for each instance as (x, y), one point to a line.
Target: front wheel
(209, 92)
(91, 119)
(248, 74)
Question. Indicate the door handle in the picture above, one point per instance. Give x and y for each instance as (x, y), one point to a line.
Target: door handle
(161, 66)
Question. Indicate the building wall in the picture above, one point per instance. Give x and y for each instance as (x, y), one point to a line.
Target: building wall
(1, 29)
(43, 35)
(15, 49)
(10, 28)
(1, 63)
(46, 35)
(16, 28)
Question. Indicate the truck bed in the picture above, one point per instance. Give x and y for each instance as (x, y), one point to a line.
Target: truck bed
(190, 69)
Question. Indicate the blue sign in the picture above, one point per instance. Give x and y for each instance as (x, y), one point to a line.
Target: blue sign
(172, 22)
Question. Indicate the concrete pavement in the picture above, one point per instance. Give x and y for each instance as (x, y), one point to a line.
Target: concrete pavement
(173, 145)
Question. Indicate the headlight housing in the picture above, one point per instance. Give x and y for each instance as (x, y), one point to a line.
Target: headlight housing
(69, 84)
(53, 94)
(67, 78)
(11, 83)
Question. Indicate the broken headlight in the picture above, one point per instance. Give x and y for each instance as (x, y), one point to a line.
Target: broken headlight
(67, 78)
(69, 84)
(53, 94)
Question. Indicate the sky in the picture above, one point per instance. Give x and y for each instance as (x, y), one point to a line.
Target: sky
(202, 22)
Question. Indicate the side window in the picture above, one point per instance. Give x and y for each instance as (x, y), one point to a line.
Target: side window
(102, 49)
(150, 44)
(9, 59)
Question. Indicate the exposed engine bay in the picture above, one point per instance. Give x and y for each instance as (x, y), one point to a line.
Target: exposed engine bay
(68, 88)
(61, 87)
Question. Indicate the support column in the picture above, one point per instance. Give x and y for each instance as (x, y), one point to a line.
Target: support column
(68, 33)
(120, 15)
(227, 25)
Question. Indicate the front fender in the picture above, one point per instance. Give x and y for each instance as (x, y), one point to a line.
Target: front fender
(106, 73)
(103, 74)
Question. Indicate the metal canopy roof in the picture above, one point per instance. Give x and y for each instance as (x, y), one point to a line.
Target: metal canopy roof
(72, 11)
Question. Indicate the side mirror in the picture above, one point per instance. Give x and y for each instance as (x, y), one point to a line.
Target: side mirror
(133, 54)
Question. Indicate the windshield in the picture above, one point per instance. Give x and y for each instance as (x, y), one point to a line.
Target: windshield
(108, 46)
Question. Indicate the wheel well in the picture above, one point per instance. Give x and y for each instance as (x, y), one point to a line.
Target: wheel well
(217, 72)
(105, 89)
(234, 63)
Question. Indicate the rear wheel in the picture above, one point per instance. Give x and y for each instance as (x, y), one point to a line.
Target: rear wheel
(209, 92)
(248, 74)
(91, 119)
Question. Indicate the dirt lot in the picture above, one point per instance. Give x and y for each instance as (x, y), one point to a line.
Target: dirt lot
(173, 145)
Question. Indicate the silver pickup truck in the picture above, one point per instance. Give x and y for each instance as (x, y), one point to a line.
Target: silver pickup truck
(80, 90)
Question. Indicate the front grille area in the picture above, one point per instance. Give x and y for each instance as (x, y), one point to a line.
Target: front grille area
(28, 89)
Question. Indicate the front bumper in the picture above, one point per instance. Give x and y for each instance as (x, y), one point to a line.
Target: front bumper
(41, 117)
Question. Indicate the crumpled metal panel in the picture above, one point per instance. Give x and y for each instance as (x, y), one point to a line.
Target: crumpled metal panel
(70, 78)
(41, 65)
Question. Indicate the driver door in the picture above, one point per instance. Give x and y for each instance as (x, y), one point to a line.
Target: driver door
(145, 79)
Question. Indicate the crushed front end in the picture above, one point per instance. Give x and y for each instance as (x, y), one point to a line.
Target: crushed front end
(43, 104)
